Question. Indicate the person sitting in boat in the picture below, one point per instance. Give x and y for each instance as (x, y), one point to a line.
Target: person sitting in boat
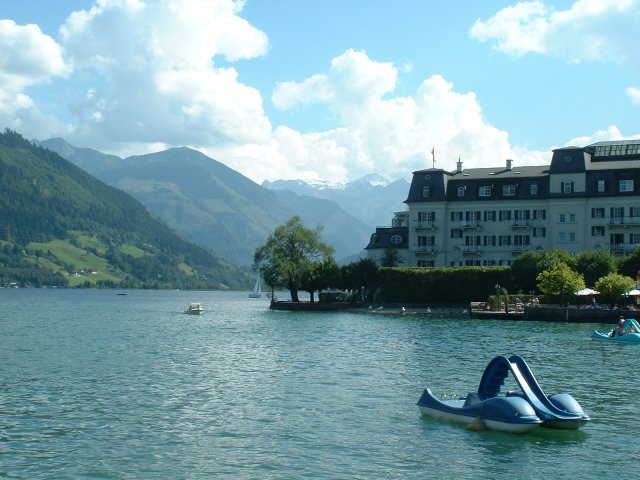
(620, 327)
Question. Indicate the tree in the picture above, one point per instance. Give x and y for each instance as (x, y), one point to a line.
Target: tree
(320, 276)
(391, 258)
(595, 264)
(613, 286)
(291, 257)
(363, 273)
(630, 264)
(527, 266)
(560, 281)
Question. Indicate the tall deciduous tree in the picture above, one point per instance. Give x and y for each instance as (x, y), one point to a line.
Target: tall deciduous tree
(614, 286)
(292, 256)
(561, 281)
(595, 264)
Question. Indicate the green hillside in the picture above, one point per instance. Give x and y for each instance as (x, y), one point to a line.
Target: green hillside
(61, 226)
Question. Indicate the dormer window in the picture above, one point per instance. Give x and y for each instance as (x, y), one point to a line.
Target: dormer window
(426, 191)
(600, 186)
(484, 191)
(396, 239)
(567, 187)
(461, 191)
(626, 186)
(508, 190)
(533, 189)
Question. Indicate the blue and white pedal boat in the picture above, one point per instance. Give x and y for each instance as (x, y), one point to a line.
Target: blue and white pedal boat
(632, 333)
(515, 412)
(502, 414)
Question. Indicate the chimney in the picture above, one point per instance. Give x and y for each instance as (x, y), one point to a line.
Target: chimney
(509, 164)
(459, 165)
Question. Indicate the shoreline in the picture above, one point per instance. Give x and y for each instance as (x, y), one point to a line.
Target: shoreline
(541, 313)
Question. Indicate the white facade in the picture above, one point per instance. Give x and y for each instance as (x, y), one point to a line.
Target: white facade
(588, 198)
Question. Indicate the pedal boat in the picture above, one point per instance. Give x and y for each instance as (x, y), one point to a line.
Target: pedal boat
(632, 333)
(516, 411)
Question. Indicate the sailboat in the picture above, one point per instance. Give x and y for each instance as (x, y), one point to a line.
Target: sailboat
(257, 290)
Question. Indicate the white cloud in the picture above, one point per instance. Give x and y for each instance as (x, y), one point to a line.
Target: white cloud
(153, 78)
(612, 133)
(589, 30)
(389, 135)
(27, 57)
(634, 95)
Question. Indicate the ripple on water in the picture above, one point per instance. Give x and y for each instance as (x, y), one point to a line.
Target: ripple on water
(106, 386)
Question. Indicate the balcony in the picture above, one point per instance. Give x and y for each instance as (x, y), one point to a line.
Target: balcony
(470, 249)
(521, 223)
(517, 249)
(425, 250)
(425, 225)
(624, 221)
(471, 225)
(622, 247)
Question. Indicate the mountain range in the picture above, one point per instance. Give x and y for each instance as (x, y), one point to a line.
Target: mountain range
(61, 226)
(227, 213)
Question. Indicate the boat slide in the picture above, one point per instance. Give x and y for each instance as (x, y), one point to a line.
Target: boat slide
(559, 411)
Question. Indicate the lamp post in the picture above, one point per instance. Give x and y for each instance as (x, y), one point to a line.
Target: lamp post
(497, 296)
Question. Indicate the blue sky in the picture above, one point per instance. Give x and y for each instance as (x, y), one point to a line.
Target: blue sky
(329, 90)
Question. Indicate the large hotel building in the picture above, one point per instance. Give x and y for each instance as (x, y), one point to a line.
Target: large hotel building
(587, 199)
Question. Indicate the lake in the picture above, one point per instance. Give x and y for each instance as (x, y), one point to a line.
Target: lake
(100, 385)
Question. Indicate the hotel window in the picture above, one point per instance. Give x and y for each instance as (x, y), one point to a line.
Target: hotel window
(508, 190)
(572, 218)
(426, 241)
(490, 216)
(566, 237)
(597, 213)
(505, 240)
(597, 231)
(626, 186)
(634, 238)
(618, 150)
(563, 218)
(533, 189)
(634, 212)
(633, 149)
(456, 233)
(456, 216)
(505, 215)
(539, 214)
(489, 240)
(396, 239)
(539, 232)
(426, 192)
(426, 263)
(489, 263)
(461, 191)
(567, 187)
(616, 214)
(484, 191)
(600, 186)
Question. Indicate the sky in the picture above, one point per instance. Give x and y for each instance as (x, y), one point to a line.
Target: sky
(328, 90)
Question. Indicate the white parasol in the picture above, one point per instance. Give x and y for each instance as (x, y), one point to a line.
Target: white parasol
(588, 291)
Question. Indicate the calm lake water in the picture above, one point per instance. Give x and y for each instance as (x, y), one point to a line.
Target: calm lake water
(99, 385)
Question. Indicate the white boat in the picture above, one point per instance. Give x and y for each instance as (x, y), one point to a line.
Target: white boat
(257, 290)
(194, 309)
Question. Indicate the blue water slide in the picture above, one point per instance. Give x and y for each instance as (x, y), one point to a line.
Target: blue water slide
(494, 377)
(533, 393)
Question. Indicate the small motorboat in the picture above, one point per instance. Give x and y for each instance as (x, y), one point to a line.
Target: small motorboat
(630, 333)
(516, 411)
(194, 309)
